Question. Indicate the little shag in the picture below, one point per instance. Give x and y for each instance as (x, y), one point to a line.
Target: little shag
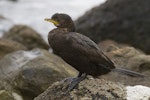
(80, 51)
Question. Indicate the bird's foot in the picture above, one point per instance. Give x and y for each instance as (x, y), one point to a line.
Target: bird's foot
(73, 82)
(68, 80)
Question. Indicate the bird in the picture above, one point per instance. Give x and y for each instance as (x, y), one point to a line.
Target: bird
(80, 51)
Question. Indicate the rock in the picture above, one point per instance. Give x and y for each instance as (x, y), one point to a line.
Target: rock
(8, 46)
(27, 36)
(132, 59)
(124, 21)
(88, 89)
(7, 93)
(4, 95)
(110, 45)
(31, 72)
(138, 92)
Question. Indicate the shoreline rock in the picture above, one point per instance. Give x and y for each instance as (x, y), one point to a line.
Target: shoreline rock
(88, 89)
(31, 72)
(127, 57)
(26, 36)
(8, 46)
(124, 21)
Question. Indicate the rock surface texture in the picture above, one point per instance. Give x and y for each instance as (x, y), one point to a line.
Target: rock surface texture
(88, 89)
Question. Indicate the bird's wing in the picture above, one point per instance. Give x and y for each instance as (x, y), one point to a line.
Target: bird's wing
(88, 48)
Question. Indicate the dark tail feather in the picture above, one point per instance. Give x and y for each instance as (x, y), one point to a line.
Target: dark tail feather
(124, 71)
(128, 72)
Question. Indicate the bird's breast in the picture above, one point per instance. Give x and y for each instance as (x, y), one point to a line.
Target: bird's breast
(58, 43)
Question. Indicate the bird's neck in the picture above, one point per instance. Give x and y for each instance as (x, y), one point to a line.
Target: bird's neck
(57, 30)
(71, 28)
(64, 30)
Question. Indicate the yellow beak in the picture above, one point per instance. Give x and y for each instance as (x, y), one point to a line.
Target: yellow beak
(52, 21)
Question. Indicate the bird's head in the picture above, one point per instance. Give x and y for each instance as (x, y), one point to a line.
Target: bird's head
(61, 20)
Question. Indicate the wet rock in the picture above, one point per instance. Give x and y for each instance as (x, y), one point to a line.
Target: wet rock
(31, 72)
(88, 89)
(124, 21)
(132, 59)
(8, 46)
(27, 36)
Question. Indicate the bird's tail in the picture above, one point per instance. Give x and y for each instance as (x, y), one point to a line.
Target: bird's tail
(128, 72)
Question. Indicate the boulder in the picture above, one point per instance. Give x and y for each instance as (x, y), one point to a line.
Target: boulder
(31, 72)
(129, 58)
(6, 95)
(124, 21)
(88, 89)
(110, 45)
(27, 36)
(8, 46)
(138, 92)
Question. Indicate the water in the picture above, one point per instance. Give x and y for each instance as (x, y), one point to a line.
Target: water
(33, 12)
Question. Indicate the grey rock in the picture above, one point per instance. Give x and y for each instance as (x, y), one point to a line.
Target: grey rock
(129, 58)
(88, 89)
(5, 95)
(27, 36)
(31, 72)
(8, 46)
(124, 21)
(7, 92)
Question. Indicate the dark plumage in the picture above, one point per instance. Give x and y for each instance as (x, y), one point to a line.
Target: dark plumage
(78, 50)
